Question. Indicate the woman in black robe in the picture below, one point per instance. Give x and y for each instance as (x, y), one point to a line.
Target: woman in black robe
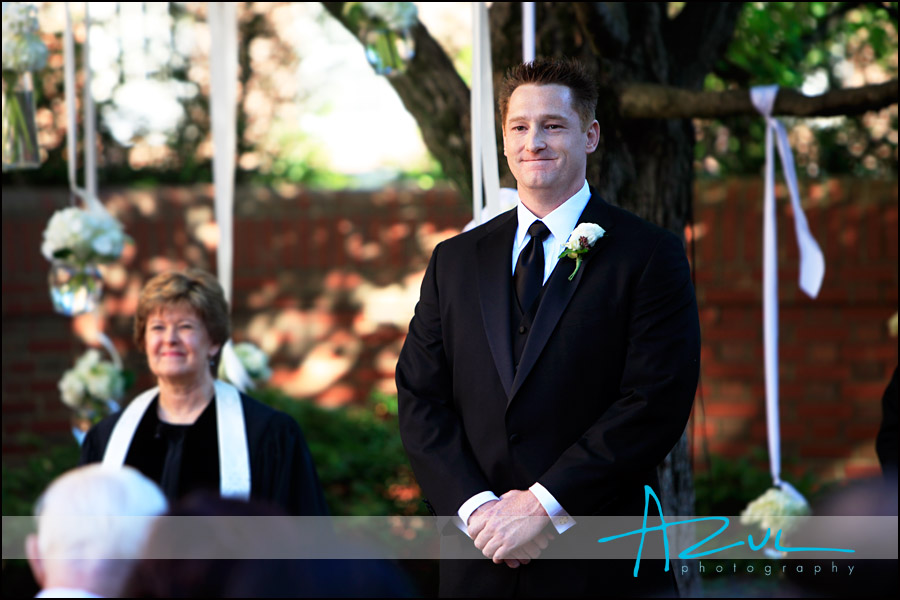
(182, 325)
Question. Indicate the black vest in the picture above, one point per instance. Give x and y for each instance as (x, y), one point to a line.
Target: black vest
(520, 323)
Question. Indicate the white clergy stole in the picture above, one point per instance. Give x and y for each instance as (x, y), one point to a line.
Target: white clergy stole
(234, 452)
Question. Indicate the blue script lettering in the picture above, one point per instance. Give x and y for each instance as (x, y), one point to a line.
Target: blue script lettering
(690, 552)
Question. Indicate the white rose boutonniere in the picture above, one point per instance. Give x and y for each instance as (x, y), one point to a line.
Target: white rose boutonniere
(580, 242)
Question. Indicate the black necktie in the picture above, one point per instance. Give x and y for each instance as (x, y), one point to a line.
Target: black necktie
(529, 275)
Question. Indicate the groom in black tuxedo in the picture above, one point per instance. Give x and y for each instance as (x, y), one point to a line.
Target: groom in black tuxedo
(530, 395)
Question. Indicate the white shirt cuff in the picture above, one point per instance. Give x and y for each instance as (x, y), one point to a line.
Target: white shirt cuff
(470, 506)
(558, 516)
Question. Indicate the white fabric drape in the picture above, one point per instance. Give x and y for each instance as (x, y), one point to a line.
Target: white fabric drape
(484, 142)
(223, 113)
(527, 32)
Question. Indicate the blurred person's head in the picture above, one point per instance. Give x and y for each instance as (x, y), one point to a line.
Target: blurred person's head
(181, 325)
(212, 547)
(92, 523)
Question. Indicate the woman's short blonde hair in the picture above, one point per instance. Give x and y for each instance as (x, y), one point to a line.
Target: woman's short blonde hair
(195, 288)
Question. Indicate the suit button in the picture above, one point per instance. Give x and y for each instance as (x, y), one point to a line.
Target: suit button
(522, 329)
(515, 438)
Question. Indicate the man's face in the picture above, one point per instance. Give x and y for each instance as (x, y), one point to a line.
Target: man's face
(544, 141)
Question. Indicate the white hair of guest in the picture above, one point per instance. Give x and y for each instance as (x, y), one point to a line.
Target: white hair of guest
(89, 519)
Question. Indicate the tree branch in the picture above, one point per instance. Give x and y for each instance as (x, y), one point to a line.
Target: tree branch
(648, 101)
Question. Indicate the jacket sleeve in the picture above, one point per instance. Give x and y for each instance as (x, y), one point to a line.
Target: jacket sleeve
(430, 427)
(656, 390)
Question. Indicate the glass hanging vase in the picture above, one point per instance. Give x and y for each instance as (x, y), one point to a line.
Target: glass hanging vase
(20, 142)
(74, 289)
(81, 424)
(82, 420)
(388, 51)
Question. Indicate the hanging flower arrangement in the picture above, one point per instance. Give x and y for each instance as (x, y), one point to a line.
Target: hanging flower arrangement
(776, 510)
(23, 52)
(385, 30)
(75, 240)
(92, 389)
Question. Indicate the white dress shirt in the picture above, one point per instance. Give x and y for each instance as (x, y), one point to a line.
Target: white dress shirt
(561, 222)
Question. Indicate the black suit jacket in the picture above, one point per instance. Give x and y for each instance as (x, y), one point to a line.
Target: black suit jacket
(602, 392)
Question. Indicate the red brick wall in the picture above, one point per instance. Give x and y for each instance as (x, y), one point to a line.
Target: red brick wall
(326, 284)
(836, 355)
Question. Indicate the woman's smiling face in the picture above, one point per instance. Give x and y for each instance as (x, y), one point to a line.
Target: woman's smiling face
(177, 344)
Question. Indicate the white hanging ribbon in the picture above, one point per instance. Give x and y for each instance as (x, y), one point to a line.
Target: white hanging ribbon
(527, 32)
(812, 266)
(69, 74)
(484, 141)
(223, 113)
(111, 348)
(90, 119)
(234, 368)
(485, 170)
(88, 194)
(234, 452)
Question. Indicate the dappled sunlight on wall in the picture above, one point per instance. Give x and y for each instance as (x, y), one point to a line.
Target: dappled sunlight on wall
(389, 305)
(324, 365)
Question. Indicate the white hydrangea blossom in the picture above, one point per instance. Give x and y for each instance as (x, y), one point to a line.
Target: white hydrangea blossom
(255, 361)
(83, 236)
(91, 380)
(396, 15)
(108, 243)
(104, 381)
(88, 360)
(72, 389)
(773, 510)
(23, 49)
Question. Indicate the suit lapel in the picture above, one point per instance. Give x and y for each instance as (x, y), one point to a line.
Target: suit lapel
(559, 291)
(494, 252)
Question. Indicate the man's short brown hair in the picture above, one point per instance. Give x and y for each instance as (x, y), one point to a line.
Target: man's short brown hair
(550, 71)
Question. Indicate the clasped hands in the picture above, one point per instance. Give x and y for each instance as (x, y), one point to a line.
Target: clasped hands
(511, 529)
